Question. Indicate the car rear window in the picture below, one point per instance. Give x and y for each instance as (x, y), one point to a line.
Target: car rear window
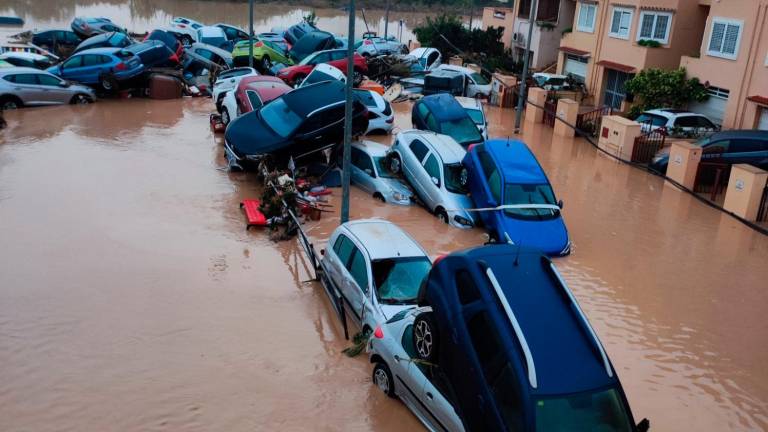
(124, 55)
(652, 119)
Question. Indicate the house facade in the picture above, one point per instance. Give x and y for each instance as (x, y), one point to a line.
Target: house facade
(612, 40)
(732, 61)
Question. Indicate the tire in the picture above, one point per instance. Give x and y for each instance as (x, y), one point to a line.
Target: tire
(382, 378)
(186, 40)
(357, 78)
(442, 215)
(80, 99)
(425, 337)
(266, 63)
(394, 164)
(299, 79)
(379, 197)
(225, 119)
(219, 102)
(108, 83)
(10, 103)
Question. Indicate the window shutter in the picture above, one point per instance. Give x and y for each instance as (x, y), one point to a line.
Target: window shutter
(626, 17)
(616, 22)
(591, 15)
(582, 15)
(716, 39)
(730, 39)
(646, 29)
(661, 27)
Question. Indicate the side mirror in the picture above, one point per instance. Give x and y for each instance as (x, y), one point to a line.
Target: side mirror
(369, 171)
(560, 204)
(435, 181)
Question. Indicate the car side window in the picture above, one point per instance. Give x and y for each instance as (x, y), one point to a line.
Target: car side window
(432, 123)
(491, 174)
(91, 60)
(206, 54)
(466, 288)
(419, 149)
(362, 161)
(110, 28)
(343, 249)
(432, 167)
(358, 269)
(688, 121)
(254, 98)
(422, 110)
(746, 146)
(71, 38)
(73, 62)
(26, 79)
(338, 55)
(48, 80)
(717, 147)
(704, 123)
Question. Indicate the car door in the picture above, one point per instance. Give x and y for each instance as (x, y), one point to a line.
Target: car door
(431, 180)
(355, 285)
(412, 161)
(53, 91)
(70, 68)
(92, 67)
(433, 395)
(362, 170)
(25, 86)
(341, 254)
(488, 188)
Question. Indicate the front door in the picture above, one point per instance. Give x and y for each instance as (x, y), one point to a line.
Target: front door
(614, 88)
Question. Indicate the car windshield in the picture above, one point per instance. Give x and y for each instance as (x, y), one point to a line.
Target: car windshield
(480, 79)
(280, 117)
(455, 178)
(316, 77)
(463, 130)
(381, 167)
(530, 195)
(601, 410)
(215, 41)
(307, 59)
(476, 116)
(654, 120)
(398, 280)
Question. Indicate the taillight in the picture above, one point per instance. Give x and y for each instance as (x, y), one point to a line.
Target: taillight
(121, 66)
(174, 58)
(471, 146)
(258, 44)
(367, 42)
(378, 333)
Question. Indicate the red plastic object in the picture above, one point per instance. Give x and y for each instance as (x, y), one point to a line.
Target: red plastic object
(216, 123)
(253, 214)
(321, 193)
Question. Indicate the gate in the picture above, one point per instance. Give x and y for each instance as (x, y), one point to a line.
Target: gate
(647, 145)
(588, 123)
(762, 210)
(550, 111)
(712, 178)
(614, 89)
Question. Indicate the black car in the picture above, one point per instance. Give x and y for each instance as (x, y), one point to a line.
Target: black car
(294, 124)
(298, 31)
(747, 146)
(59, 42)
(154, 53)
(312, 42)
(105, 40)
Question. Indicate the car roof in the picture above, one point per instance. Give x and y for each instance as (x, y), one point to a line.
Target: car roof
(304, 100)
(372, 148)
(516, 161)
(24, 55)
(210, 31)
(420, 52)
(565, 355)
(753, 134)
(468, 102)
(18, 69)
(446, 147)
(100, 50)
(444, 106)
(383, 239)
(666, 112)
(269, 87)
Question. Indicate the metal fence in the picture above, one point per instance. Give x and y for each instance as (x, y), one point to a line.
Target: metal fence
(712, 178)
(550, 111)
(589, 122)
(647, 145)
(762, 210)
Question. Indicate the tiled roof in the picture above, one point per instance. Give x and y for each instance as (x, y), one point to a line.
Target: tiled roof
(574, 51)
(616, 66)
(762, 100)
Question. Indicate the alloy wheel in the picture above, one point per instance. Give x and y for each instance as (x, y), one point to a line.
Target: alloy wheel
(382, 380)
(423, 336)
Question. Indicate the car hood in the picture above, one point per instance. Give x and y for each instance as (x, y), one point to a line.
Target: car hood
(458, 203)
(250, 135)
(549, 236)
(396, 185)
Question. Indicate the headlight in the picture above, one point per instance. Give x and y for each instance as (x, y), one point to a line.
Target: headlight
(397, 196)
(461, 220)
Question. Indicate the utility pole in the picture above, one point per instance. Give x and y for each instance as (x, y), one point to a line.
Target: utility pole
(348, 116)
(523, 88)
(386, 21)
(250, 33)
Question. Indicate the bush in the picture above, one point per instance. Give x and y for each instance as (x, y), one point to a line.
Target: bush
(649, 43)
(659, 88)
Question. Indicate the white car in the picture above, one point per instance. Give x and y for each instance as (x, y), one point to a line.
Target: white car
(323, 72)
(214, 36)
(425, 59)
(376, 45)
(370, 173)
(185, 29)
(475, 84)
(549, 81)
(432, 165)
(381, 118)
(227, 81)
(377, 267)
(474, 108)
(676, 122)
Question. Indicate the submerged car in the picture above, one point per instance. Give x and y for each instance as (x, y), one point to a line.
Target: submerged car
(227, 81)
(377, 267)
(298, 31)
(677, 123)
(266, 53)
(86, 27)
(26, 59)
(214, 36)
(475, 84)
(432, 165)
(234, 34)
(221, 57)
(60, 42)
(106, 67)
(376, 45)
(323, 72)
(300, 122)
(337, 58)
(252, 93)
(154, 53)
(749, 146)
(185, 29)
(474, 108)
(370, 173)
(505, 174)
(381, 118)
(311, 43)
(168, 39)
(105, 40)
(425, 59)
(441, 113)
(21, 86)
(512, 347)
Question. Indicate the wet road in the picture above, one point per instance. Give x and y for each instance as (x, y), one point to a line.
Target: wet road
(132, 298)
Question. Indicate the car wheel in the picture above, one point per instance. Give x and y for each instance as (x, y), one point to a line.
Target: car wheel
(80, 99)
(186, 40)
(382, 377)
(425, 337)
(442, 215)
(394, 164)
(299, 79)
(357, 78)
(10, 103)
(379, 197)
(108, 83)
(225, 116)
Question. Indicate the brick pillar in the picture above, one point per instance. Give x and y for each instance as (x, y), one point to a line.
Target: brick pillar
(537, 96)
(683, 163)
(567, 111)
(745, 190)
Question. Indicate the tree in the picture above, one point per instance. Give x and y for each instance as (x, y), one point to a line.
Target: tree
(659, 88)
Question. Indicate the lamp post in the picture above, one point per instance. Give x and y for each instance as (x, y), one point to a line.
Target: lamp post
(523, 88)
(348, 116)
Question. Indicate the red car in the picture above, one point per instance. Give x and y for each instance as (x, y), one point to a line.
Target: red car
(336, 57)
(251, 93)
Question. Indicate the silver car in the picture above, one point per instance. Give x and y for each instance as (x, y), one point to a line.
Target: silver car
(432, 165)
(20, 86)
(377, 267)
(398, 374)
(370, 174)
(474, 108)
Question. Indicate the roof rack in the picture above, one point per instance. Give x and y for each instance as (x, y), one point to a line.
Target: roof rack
(516, 326)
(582, 318)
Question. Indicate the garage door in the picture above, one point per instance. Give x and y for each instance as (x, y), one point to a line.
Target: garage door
(714, 107)
(762, 123)
(575, 65)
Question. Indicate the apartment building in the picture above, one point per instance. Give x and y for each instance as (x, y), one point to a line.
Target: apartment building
(611, 40)
(552, 17)
(732, 61)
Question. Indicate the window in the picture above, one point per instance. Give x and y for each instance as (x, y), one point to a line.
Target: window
(73, 62)
(254, 99)
(621, 22)
(338, 55)
(432, 167)
(466, 288)
(343, 248)
(654, 26)
(91, 60)
(456, 177)
(586, 19)
(280, 117)
(491, 174)
(398, 280)
(432, 123)
(592, 410)
(358, 269)
(419, 150)
(48, 80)
(652, 119)
(724, 38)
(204, 53)
(362, 161)
(423, 111)
(539, 196)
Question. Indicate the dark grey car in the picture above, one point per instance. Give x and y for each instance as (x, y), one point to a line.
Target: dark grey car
(21, 87)
(86, 27)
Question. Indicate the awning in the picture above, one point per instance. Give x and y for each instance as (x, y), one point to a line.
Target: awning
(574, 51)
(762, 100)
(658, 9)
(616, 66)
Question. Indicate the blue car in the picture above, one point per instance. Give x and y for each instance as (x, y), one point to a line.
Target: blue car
(443, 114)
(505, 174)
(509, 347)
(105, 67)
